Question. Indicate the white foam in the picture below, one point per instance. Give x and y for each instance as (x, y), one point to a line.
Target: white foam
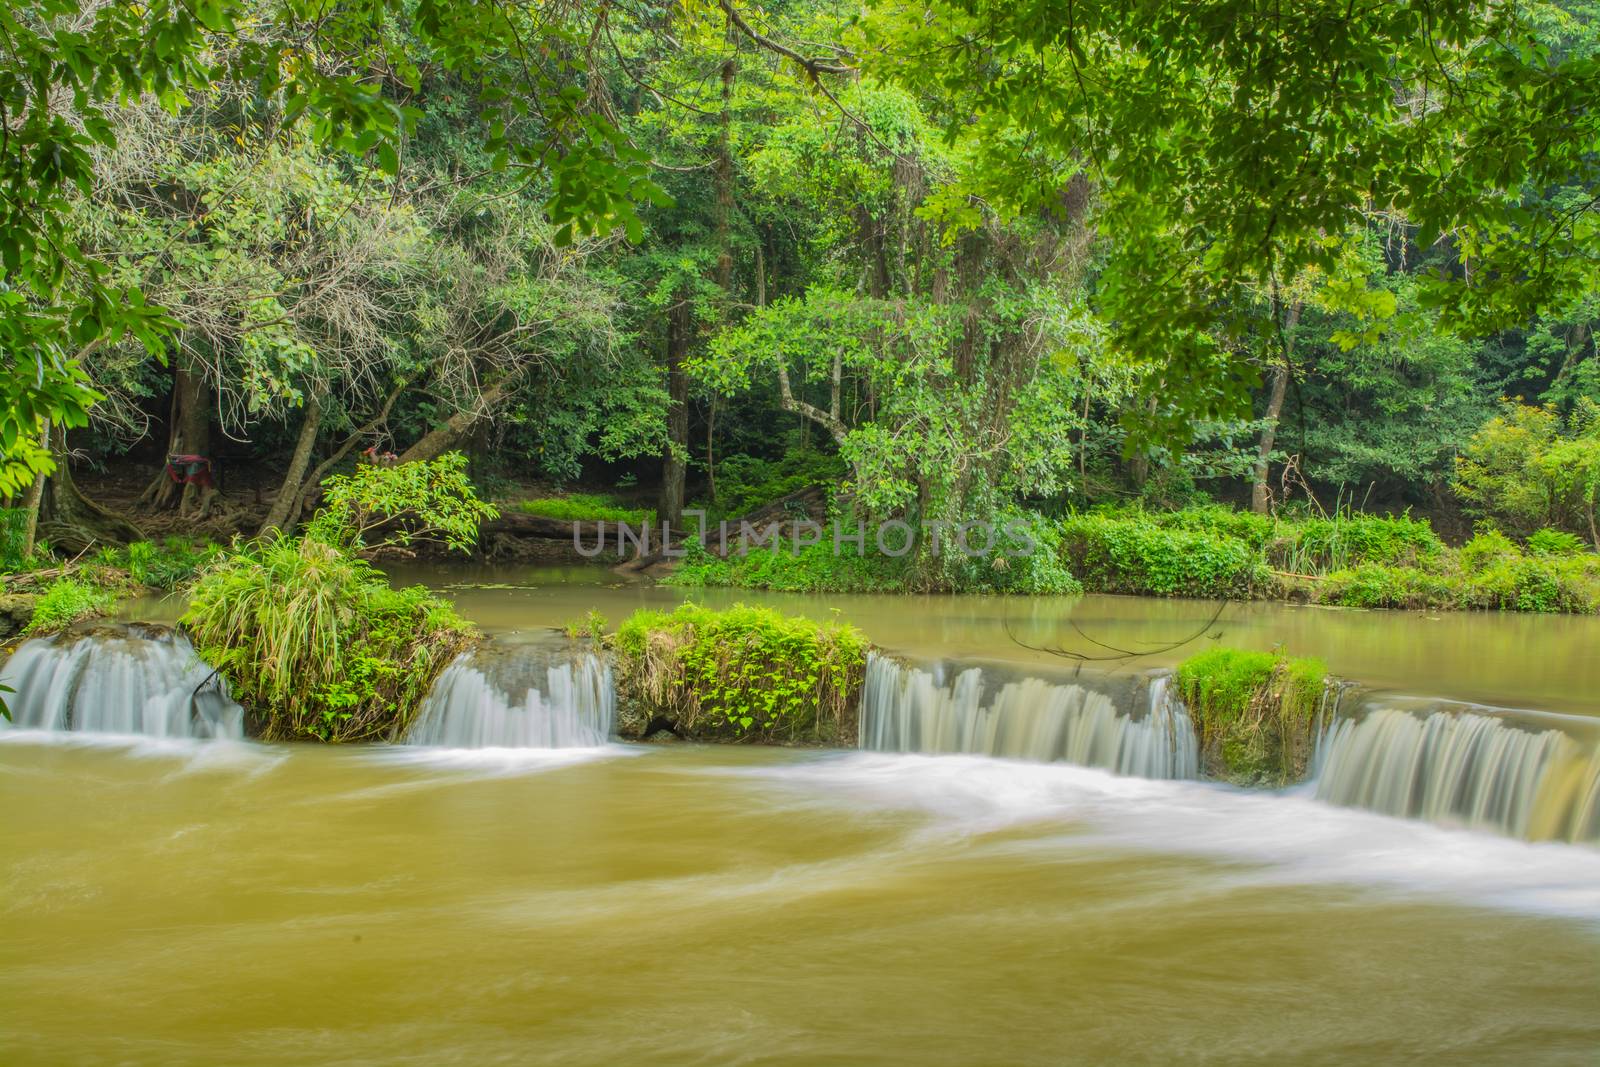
(1291, 837)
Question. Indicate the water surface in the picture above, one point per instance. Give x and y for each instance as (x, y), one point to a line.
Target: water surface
(181, 903)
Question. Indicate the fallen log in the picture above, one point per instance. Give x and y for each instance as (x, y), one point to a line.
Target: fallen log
(521, 524)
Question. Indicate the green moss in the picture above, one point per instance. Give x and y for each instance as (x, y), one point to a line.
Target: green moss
(316, 644)
(65, 601)
(1255, 712)
(743, 674)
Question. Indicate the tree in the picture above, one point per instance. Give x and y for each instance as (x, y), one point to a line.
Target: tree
(64, 70)
(1234, 143)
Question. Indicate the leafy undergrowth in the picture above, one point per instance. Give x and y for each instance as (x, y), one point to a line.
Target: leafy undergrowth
(316, 644)
(586, 507)
(1351, 560)
(1255, 712)
(1012, 566)
(744, 674)
(68, 600)
(170, 565)
(813, 569)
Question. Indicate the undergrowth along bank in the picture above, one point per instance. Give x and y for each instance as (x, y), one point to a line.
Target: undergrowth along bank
(1348, 560)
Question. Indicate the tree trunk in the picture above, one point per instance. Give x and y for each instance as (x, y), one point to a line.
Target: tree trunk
(189, 433)
(1278, 386)
(438, 441)
(293, 478)
(674, 465)
(30, 534)
(70, 521)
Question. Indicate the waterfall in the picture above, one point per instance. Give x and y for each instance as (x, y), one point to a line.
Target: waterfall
(905, 709)
(1463, 768)
(135, 681)
(526, 700)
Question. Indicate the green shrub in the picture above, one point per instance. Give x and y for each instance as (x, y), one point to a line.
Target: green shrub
(1034, 565)
(64, 602)
(1219, 521)
(1548, 542)
(1373, 585)
(13, 531)
(1318, 546)
(1118, 554)
(1513, 582)
(316, 644)
(170, 565)
(586, 507)
(813, 569)
(1255, 712)
(745, 483)
(744, 674)
(376, 506)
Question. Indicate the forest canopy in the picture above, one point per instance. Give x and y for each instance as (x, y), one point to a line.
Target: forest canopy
(946, 259)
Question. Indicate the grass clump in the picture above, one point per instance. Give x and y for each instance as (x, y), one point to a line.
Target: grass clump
(1318, 546)
(316, 644)
(65, 601)
(586, 507)
(1255, 712)
(744, 674)
(170, 565)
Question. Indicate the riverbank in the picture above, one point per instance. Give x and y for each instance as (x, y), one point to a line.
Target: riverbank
(1348, 560)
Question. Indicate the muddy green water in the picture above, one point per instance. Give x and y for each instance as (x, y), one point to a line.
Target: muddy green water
(181, 903)
(1549, 662)
(225, 903)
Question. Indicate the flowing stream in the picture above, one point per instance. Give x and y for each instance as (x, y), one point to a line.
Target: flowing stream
(1018, 866)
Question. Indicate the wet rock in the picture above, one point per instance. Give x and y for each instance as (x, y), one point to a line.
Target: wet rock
(16, 609)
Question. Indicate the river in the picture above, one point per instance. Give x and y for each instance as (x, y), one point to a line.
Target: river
(175, 901)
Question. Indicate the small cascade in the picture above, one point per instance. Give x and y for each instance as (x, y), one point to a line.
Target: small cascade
(526, 699)
(134, 681)
(1463, 768)
(906, 709)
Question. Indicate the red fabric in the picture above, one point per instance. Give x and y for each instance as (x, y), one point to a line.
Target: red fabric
(189, 470)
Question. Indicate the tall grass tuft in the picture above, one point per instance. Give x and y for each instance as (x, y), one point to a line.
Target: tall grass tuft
(316, 644)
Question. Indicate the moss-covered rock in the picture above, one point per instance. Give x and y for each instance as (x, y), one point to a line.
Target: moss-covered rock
(1255, 712)
(744, 674)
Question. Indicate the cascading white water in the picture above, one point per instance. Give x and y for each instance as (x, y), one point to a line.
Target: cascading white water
(478, 703)
(133, 682)
(905, 709)
(1463, 768)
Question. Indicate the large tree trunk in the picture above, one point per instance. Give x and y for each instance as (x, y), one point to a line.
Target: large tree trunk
(70, 521)
(440, 440)
(674, 466)
(1278, 385)
(189, 433)
(294, 477)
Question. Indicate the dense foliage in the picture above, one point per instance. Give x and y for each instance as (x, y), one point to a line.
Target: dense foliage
(936, 262)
